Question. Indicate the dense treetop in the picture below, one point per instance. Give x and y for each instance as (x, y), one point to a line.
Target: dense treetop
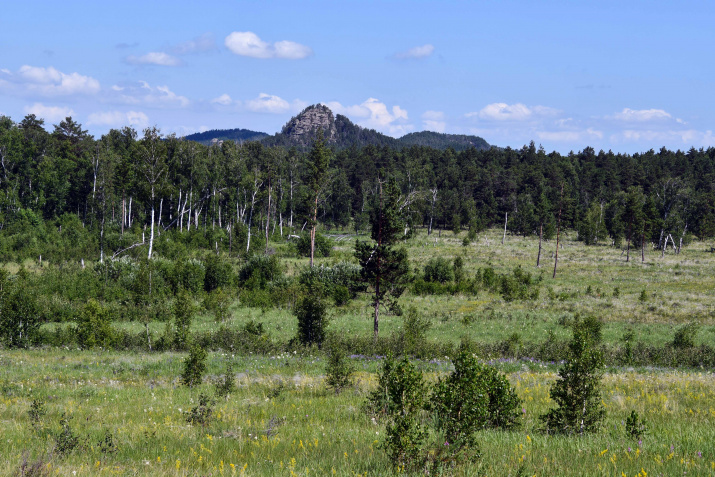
(50, 181)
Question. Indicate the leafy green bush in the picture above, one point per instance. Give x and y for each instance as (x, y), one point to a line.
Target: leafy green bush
(401, 394)
(194, 366)
(341, 276)
(258, 271)
(635, 426)
(190, 275)
(338, 369)
(202, 413)
(218, 273)
(323, 245)
(438, 270)
(183, 313)
(312, 320)
(414, 332)
(19, 314)
(94, 327)
(685, 336)
(227, 385)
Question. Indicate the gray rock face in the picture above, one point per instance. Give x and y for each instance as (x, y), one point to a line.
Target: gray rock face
(303, 128)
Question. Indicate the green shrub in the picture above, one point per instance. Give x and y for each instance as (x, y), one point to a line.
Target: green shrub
(338, 369)
(635, 426)
(217, 303)
(183, 314)
(577, 391)
(312, 320)
(191, 274)
(685, 336)
(323, 245)
(94, 327)
(202, 413)
(227, 385)
(414, 332)
(194, 367)
(258, 271)
(65, 440)
(402, 392)
(458, 269)
(19, 314)
(218, 273)
(438, 270)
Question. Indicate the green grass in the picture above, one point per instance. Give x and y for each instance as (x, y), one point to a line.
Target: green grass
(282, 418)
(283, 421)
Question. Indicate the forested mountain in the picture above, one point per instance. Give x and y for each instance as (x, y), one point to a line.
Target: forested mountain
(458, 142)
(66, 193)
(342, 133)
(238, 135)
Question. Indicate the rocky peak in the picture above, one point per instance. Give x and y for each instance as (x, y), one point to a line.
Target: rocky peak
(303, 128)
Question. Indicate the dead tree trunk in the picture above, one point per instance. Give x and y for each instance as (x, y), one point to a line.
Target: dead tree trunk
(506, 217)
(558, 232)
(541, 234)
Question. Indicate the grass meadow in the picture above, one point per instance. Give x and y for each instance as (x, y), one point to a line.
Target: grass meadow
(127, 410)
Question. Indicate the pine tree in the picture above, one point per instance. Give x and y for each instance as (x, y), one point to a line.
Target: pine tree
(577, 391)
(384, 267)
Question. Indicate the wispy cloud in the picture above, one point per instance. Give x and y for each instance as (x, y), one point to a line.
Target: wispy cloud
(223, 100)
(511, 112)
(136, 119)
(49, 113)
(200, 44)
(158, 58)
(37, 80)
(418, 52)
(268, 103)
(246, 43)
(642, 115)
(142, 93)
(434, 121)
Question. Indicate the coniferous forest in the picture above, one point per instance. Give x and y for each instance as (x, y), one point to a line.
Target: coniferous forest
(66, 195)
(323, 308)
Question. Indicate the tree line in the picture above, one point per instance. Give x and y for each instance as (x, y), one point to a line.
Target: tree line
(125, 188)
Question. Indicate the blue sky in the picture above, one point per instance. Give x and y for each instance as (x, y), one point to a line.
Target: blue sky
(621, 75)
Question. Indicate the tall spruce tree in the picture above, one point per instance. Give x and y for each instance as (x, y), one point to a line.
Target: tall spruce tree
(384, 267)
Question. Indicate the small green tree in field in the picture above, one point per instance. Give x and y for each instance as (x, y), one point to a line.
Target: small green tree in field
(577, 392)
(19, 314)
(404, 397)
(183, 312)
(94, 327)
(338, 370)
(311, 313)
(194, 367)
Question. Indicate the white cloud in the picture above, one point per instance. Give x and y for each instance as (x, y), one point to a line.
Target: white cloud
(29, 80)
(416, 53)
(144, 94)
(642, 115)
(570, 136)
(434, 121)
(49, 113)
(685, 137)
(136, 119)
(268, 103)
(246, 43)
(154, 58)
(223, 100)
(199, 44)
(512, 112)
(375, 114)
(504, 112)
